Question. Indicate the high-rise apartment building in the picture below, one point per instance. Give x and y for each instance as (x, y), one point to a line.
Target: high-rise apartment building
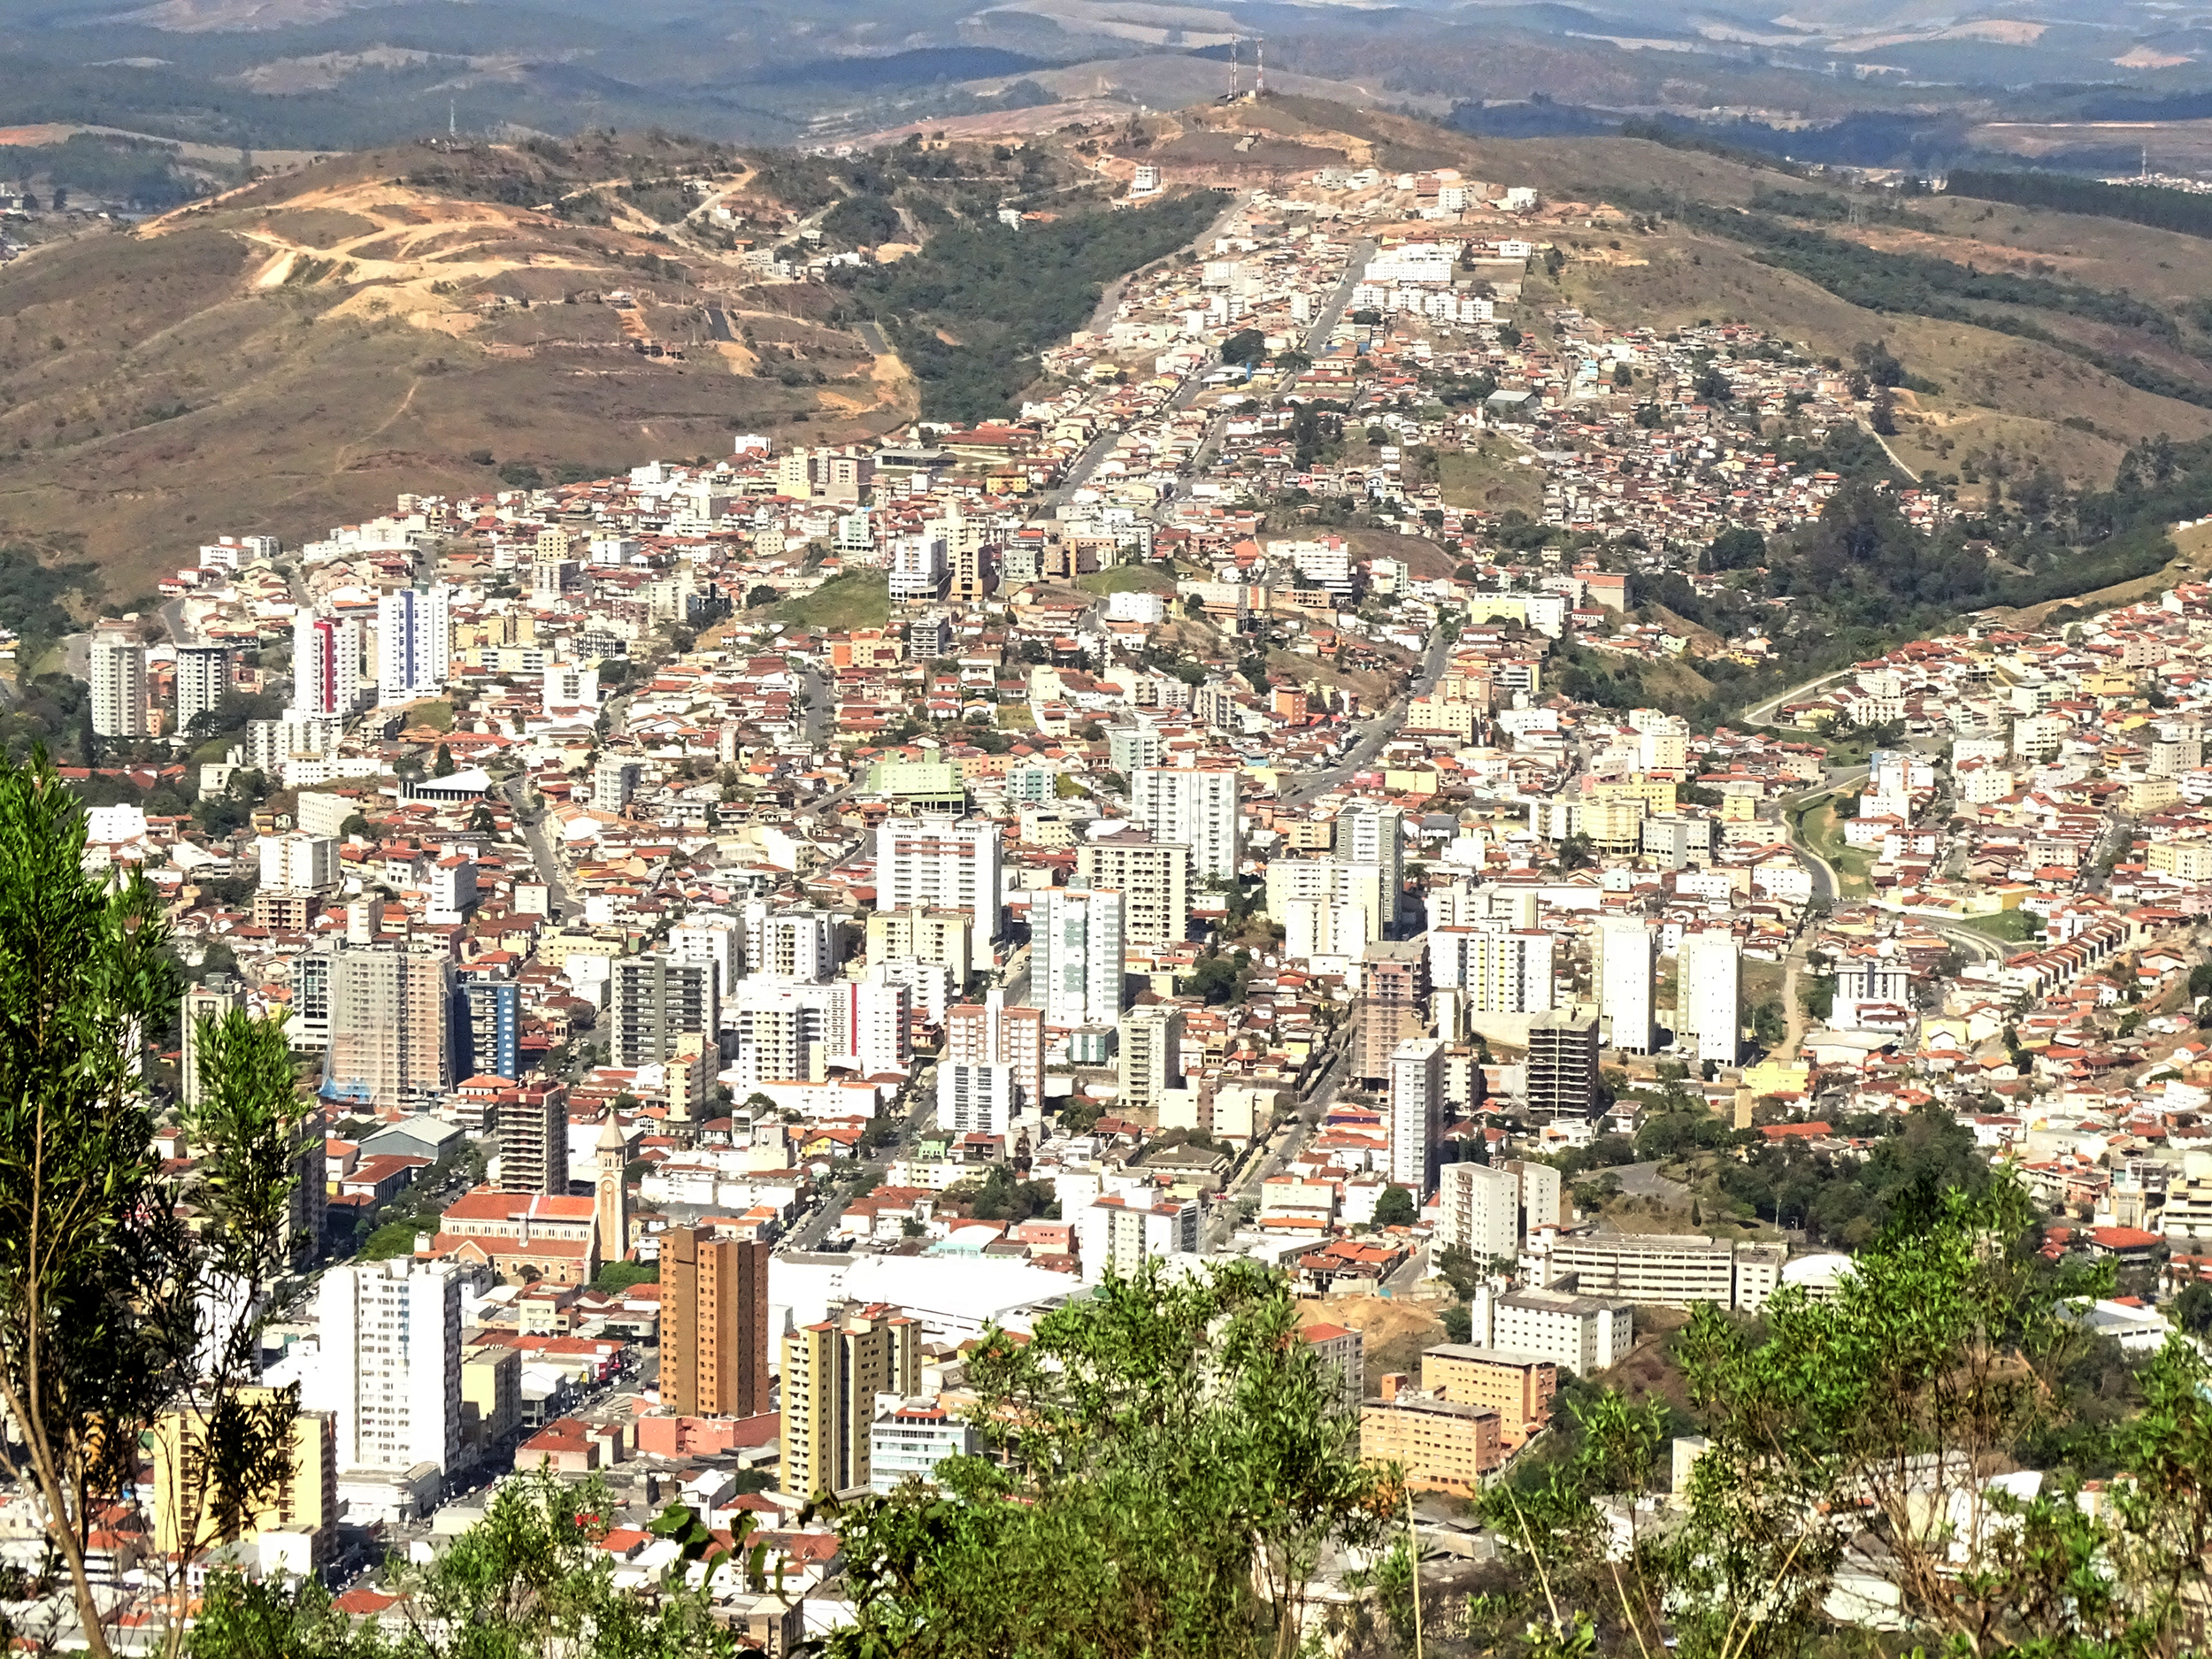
(614, 780)
(1417, 1112)
(532, 1127)
(117, 668)
(789, 1030)
(1076, 942)
(790, 944)
(940, 864)
(300, 1504)
(714, 1324)
(203, 679)
(1479, 1208)
(390, 1368)
(1709, 997)
(942, 937)
(296, 862)
(1153, 877)
(1627, 969)
(832, 1373)
(1562, 1066)
(711, 937)
(1392, 1005)
(326, 666)
(414, 642)
(1498, 969)
(1367, 834)
(390, 1022)
(488, 1032)
(654, 1000)
(1149, 1044)
(983, 1039)
(1197, 809)
(1118, 1232)
(214, 997)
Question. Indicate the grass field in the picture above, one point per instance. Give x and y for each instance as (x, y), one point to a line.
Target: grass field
(857, 599)
(1823, 832)
(2013, 927)
(1488, 476)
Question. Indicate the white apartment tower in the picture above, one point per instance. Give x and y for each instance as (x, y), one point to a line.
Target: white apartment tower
(1627, 966)
(1479, 1209)
(1197, 809)
(1417, 1112)
(204, 677)
(1076, 936)
(414, 640)
(940, 864)
(389, 1370)
(326, 666)
(1500, 969)
(1709, 996)
(298, 863)
(118, 668)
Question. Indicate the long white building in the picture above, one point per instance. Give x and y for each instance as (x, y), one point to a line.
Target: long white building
(1076, 941)
(1709, 996)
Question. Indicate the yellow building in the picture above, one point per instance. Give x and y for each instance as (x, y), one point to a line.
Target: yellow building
(1657, 794)
(832, 1374)
(1441, 1445)
(941, 936)
(1517, 1386)
(491, 1396)
(2184, 860)
(303, 1505)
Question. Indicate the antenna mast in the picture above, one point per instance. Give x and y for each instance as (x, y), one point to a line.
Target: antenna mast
(452, 120)
(1259, 77)
(1236, 77)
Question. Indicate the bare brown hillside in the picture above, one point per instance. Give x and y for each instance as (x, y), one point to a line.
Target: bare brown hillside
(295, 354)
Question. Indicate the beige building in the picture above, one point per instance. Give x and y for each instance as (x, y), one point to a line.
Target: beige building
(1153, 878)
(1517, 1386)
(832, 1374)
(491, 1397)
(1150, 1038)
(390, 1026)
(2184, 860)
(1442, 1446)
(941, 936)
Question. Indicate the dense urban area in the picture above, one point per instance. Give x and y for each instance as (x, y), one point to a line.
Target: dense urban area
(1338, 789)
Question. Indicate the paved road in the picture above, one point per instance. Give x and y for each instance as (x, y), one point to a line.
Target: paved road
(1826, 883)
(1375, 733)
(541, 855)
(1763, 713)
(1286, 1144)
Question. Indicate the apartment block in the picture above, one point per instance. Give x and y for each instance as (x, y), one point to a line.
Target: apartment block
(1149, 1040)
(1442, 1446)
(1153, 877)
(1581, 1334)
(657, 999)
(714, 1331)
(832, 1373)
(1517, 1386)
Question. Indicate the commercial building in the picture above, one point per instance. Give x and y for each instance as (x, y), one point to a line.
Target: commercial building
(1581, 1334)
(1517, 1386)
(714, 1324)
(940, 864)
(1197, 809)
(1709, 997)
(117, 667)
(1562, 1066)
(390, 1021)
(1627, 969)
(832, 1373)
(1148, 1056)
(1079, 955)
(1442, 1446)
(654, 1000)
(390, 1368)
(1416, 1113)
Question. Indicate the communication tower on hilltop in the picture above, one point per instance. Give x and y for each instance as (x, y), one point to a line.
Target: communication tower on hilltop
(1259, 68)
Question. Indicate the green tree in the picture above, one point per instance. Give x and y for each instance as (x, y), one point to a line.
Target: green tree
(1396, 1208)
(1175, 1462)
(124, 1291)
